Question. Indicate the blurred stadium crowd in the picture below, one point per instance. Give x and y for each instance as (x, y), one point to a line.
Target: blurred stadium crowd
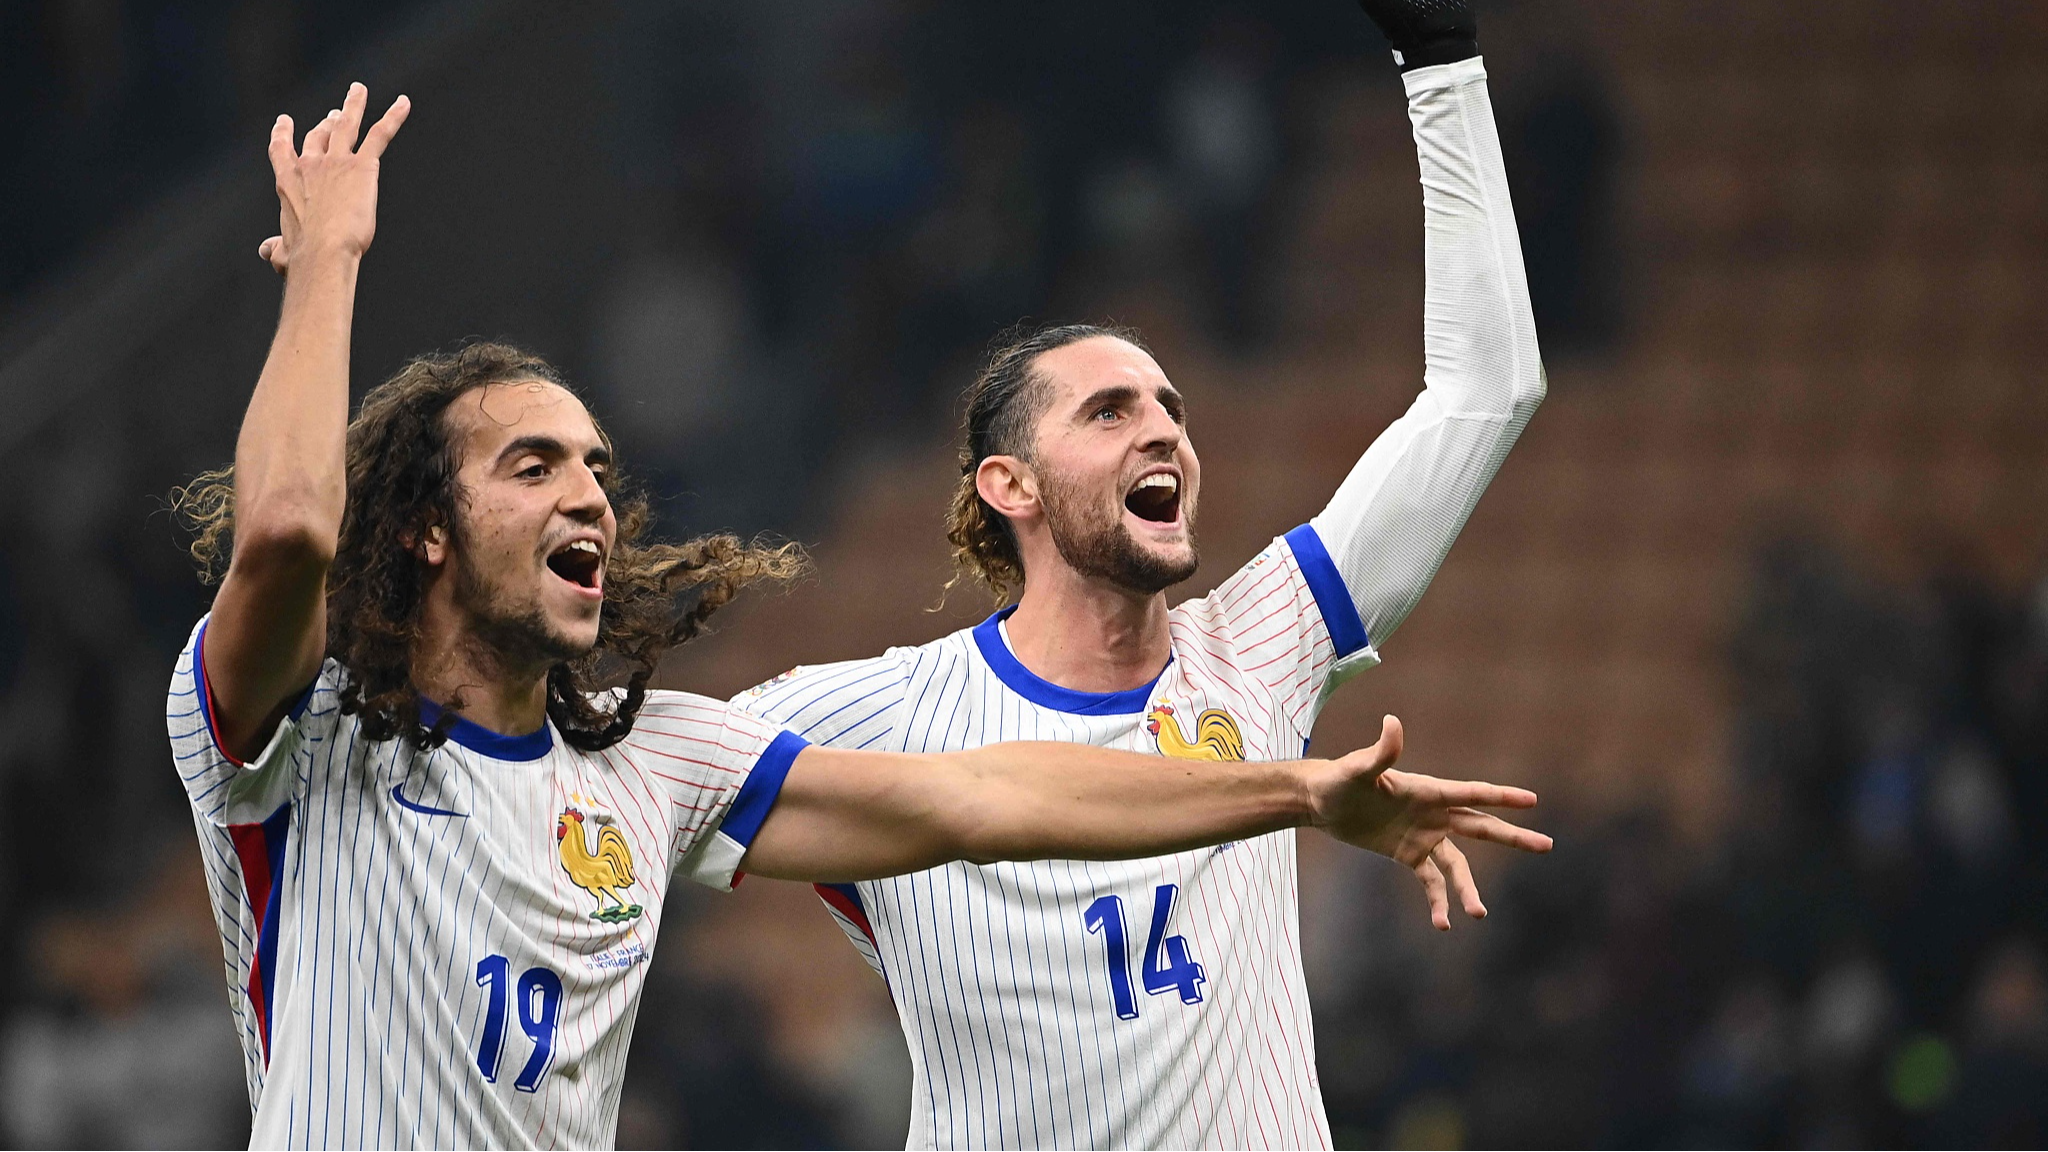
(1760, 605)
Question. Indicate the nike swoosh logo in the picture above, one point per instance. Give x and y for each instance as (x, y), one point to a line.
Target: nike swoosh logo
(399, 796)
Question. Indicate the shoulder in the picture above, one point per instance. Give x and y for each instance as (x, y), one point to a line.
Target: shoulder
(313, 710)
(684, 723)
(667, 707)
(1270, 575)
(808, 684)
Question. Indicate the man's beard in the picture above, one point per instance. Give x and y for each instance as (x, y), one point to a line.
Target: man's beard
(1099, 544)
(514, 638)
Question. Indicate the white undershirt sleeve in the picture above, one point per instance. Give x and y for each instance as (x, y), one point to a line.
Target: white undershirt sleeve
(1393, 519)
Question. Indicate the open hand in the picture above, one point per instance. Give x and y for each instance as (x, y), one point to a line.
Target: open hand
(1411, 819)
(327, 188)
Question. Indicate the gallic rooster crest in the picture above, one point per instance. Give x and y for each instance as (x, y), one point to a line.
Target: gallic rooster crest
(601, 872)
(1216, 735)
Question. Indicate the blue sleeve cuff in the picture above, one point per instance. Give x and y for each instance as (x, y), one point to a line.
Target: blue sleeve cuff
(763, 785)
(1333, 599)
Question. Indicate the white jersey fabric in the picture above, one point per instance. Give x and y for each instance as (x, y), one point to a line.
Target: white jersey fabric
(446, 948)
(1160, 1002)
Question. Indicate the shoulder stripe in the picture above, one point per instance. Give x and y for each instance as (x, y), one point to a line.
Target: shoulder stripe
(1340, 615)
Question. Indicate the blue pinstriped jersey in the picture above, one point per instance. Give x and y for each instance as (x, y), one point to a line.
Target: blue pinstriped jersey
(1159, 1003)
(1148, 1003)
(446, 948)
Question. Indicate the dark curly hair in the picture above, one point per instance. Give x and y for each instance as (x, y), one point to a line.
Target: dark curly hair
(1002, 407)
(402, 468)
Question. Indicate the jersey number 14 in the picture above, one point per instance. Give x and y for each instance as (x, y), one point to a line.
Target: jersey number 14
(1167, 966)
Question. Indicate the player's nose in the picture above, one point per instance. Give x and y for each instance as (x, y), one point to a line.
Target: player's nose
(585, 498)
(1158, 431)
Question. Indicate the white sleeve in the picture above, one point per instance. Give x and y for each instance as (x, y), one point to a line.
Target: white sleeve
(1394, 518)
(225, 791)
(722, 770)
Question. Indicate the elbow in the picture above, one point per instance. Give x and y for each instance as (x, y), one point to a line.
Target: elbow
(977, 825)
(1531, 386)
(280, 544)
(966, 834)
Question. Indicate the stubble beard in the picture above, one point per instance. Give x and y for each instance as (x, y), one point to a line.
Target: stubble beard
(510, 637)
(1097, 543)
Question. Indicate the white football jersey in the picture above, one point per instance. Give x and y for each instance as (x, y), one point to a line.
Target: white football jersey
(1147, 1003)
(446, 948)
(1160, 1003)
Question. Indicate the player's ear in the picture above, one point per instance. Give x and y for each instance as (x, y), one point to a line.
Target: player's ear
(430, 544)
(1008, 485)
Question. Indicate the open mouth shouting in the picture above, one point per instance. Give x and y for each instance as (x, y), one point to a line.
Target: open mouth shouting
(1155, 498)
(580, 562)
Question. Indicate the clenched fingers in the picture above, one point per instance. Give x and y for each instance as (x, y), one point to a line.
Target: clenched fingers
(273, 251)
(1473, 825)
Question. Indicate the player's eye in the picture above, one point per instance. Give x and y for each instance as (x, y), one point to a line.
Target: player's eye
(1107, 412)
(532, 472)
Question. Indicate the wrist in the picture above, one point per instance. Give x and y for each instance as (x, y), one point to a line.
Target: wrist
(326, 252)
(1440, 50)
(1312, 783)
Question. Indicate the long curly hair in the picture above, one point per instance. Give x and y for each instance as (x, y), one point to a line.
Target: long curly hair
(402, 479)
(1001, 411)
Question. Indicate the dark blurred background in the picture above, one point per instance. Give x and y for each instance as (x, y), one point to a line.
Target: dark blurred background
(1758, 604)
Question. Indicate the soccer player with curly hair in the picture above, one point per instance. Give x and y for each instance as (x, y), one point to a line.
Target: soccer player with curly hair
(440, 808)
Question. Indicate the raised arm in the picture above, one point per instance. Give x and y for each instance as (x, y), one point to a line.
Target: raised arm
(1394, 518)
(845, 815)
(268, 628)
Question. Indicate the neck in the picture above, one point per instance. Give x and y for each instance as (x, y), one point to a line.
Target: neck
(448, 664)
(1087, 635)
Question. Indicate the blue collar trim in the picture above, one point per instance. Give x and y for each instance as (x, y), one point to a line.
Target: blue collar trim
(484, 742)
(1045, 693)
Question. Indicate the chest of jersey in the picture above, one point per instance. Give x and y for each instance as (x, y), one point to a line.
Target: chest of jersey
(518, 901)
(1136, 995)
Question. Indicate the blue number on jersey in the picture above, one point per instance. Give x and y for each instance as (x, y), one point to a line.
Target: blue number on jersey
(1167, 967)
(540, 1008)
(1106, 916)
(1179, 973)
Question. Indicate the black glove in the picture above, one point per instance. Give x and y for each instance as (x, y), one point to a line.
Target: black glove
(1425, 32)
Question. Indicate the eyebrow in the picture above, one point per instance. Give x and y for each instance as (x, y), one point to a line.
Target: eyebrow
(1125, 393)
(549, 446)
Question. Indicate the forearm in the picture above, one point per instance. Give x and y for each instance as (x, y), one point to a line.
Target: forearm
(1479, 332)
(268, 628)
(1026, 801)
(845, 816)
(1395, 517)
(289, 467)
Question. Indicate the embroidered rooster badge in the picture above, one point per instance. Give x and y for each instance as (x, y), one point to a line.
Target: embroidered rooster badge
(1216, 735)
(603, 872)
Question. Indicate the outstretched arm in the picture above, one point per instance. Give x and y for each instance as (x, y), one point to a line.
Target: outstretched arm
(1394, 518)
(845, 815)
(268, 628)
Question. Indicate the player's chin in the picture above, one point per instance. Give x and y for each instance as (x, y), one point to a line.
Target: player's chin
(1162, 538)
(574, 623)
(572, 641)
(1169, 555)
